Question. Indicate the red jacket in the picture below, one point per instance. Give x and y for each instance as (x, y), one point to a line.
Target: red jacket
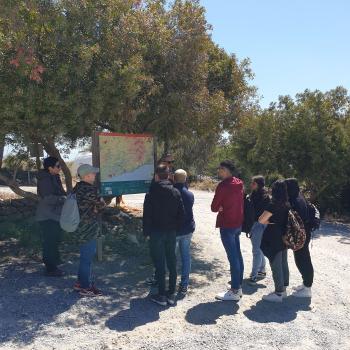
(229, 197)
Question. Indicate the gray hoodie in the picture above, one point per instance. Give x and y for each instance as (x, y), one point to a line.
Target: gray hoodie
(51, 196)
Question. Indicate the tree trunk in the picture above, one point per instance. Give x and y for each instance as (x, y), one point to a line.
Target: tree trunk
(2, 148)
(16, 189)
(51, 149)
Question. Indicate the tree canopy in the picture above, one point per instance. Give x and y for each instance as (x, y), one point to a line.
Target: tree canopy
(71, 67)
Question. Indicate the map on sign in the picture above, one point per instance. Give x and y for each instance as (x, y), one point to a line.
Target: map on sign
(126, 163)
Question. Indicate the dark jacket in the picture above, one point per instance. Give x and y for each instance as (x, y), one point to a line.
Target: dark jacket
(260, 200)
(90, 207)
(300, 206)
(163, 209)
(188, 201)
(51, 196)
(229, 196)
(272, 241)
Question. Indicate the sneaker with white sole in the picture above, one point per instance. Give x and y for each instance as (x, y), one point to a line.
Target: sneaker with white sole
(304, 292)
(299, 287)
(273, 297)
(229, 295)
(159, 299)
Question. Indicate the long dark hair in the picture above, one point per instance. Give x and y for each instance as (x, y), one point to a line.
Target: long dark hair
(259, 180)
(279, 193)
(293, 188)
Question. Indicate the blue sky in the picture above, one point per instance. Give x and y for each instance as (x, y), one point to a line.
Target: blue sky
(293, 44)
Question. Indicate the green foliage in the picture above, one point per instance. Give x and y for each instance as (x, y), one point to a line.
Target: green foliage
(71, 67)
(307, 138)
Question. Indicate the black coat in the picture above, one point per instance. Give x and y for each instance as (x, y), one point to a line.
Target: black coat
(163, 209)
(260, 200)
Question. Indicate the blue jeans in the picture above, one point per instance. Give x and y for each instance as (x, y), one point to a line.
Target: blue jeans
(259, 262)
(87, 254)
(231, 243)
(184, 245)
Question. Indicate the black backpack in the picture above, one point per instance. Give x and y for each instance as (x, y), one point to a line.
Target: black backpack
(313, 217)
(249, 215)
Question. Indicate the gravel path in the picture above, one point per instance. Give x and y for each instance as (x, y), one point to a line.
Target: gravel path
(43, 313)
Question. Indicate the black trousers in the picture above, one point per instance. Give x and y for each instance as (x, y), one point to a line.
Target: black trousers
(303, 262)
(51, 239)
(163, 245)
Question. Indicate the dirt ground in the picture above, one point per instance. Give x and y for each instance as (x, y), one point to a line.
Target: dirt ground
(44, 313)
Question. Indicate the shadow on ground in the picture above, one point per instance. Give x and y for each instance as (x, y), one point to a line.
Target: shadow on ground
(208, 313)
(266, 312)
(140, 312)
(29, 300)
(339, 230)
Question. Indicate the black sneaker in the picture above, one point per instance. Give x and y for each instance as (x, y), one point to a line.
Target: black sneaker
(261, 274)
(159, 299)
(182, 290)
(151, 281)
(171, 298)
(253, 281)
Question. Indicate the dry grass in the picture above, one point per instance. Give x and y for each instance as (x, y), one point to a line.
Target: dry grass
(206, 184)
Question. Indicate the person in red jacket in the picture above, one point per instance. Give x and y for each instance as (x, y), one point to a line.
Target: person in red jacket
(228, 203)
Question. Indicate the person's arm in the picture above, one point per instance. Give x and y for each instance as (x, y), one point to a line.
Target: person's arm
(147, 215)
(265, 217)
(180, 213)
(216, 204)
(47, 193)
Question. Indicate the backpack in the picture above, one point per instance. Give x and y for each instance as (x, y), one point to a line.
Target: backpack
(295, 236)
(249, 215)
(313, 217)
(70, 217)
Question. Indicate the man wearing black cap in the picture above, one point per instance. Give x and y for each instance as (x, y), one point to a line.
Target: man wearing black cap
(51, 198)
(163, 215)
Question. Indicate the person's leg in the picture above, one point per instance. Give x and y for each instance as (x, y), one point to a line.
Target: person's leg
(277, 273)
(228, 238)
(57, 236)
(240, 257)
(185, 253)
(285, 269)
(87, 253)
(258, 257)
(170, 254)
(158, 252)
(303, 262)
(49, 245)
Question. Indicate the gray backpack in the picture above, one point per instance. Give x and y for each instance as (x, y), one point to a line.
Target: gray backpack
(70, 217)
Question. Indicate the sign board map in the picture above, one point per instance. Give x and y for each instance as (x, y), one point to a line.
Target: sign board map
(126, 162)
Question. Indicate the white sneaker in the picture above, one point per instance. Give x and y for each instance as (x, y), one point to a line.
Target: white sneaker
(304, 292)
(273, 298)
(229, 295)
(298, 287)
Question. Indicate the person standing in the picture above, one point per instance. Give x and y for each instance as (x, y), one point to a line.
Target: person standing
(302, 256)
(228, 203)
(89, 229)
(163, 215)
(275, 216)
(260, 200)
(51, 198)
(184, 235)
